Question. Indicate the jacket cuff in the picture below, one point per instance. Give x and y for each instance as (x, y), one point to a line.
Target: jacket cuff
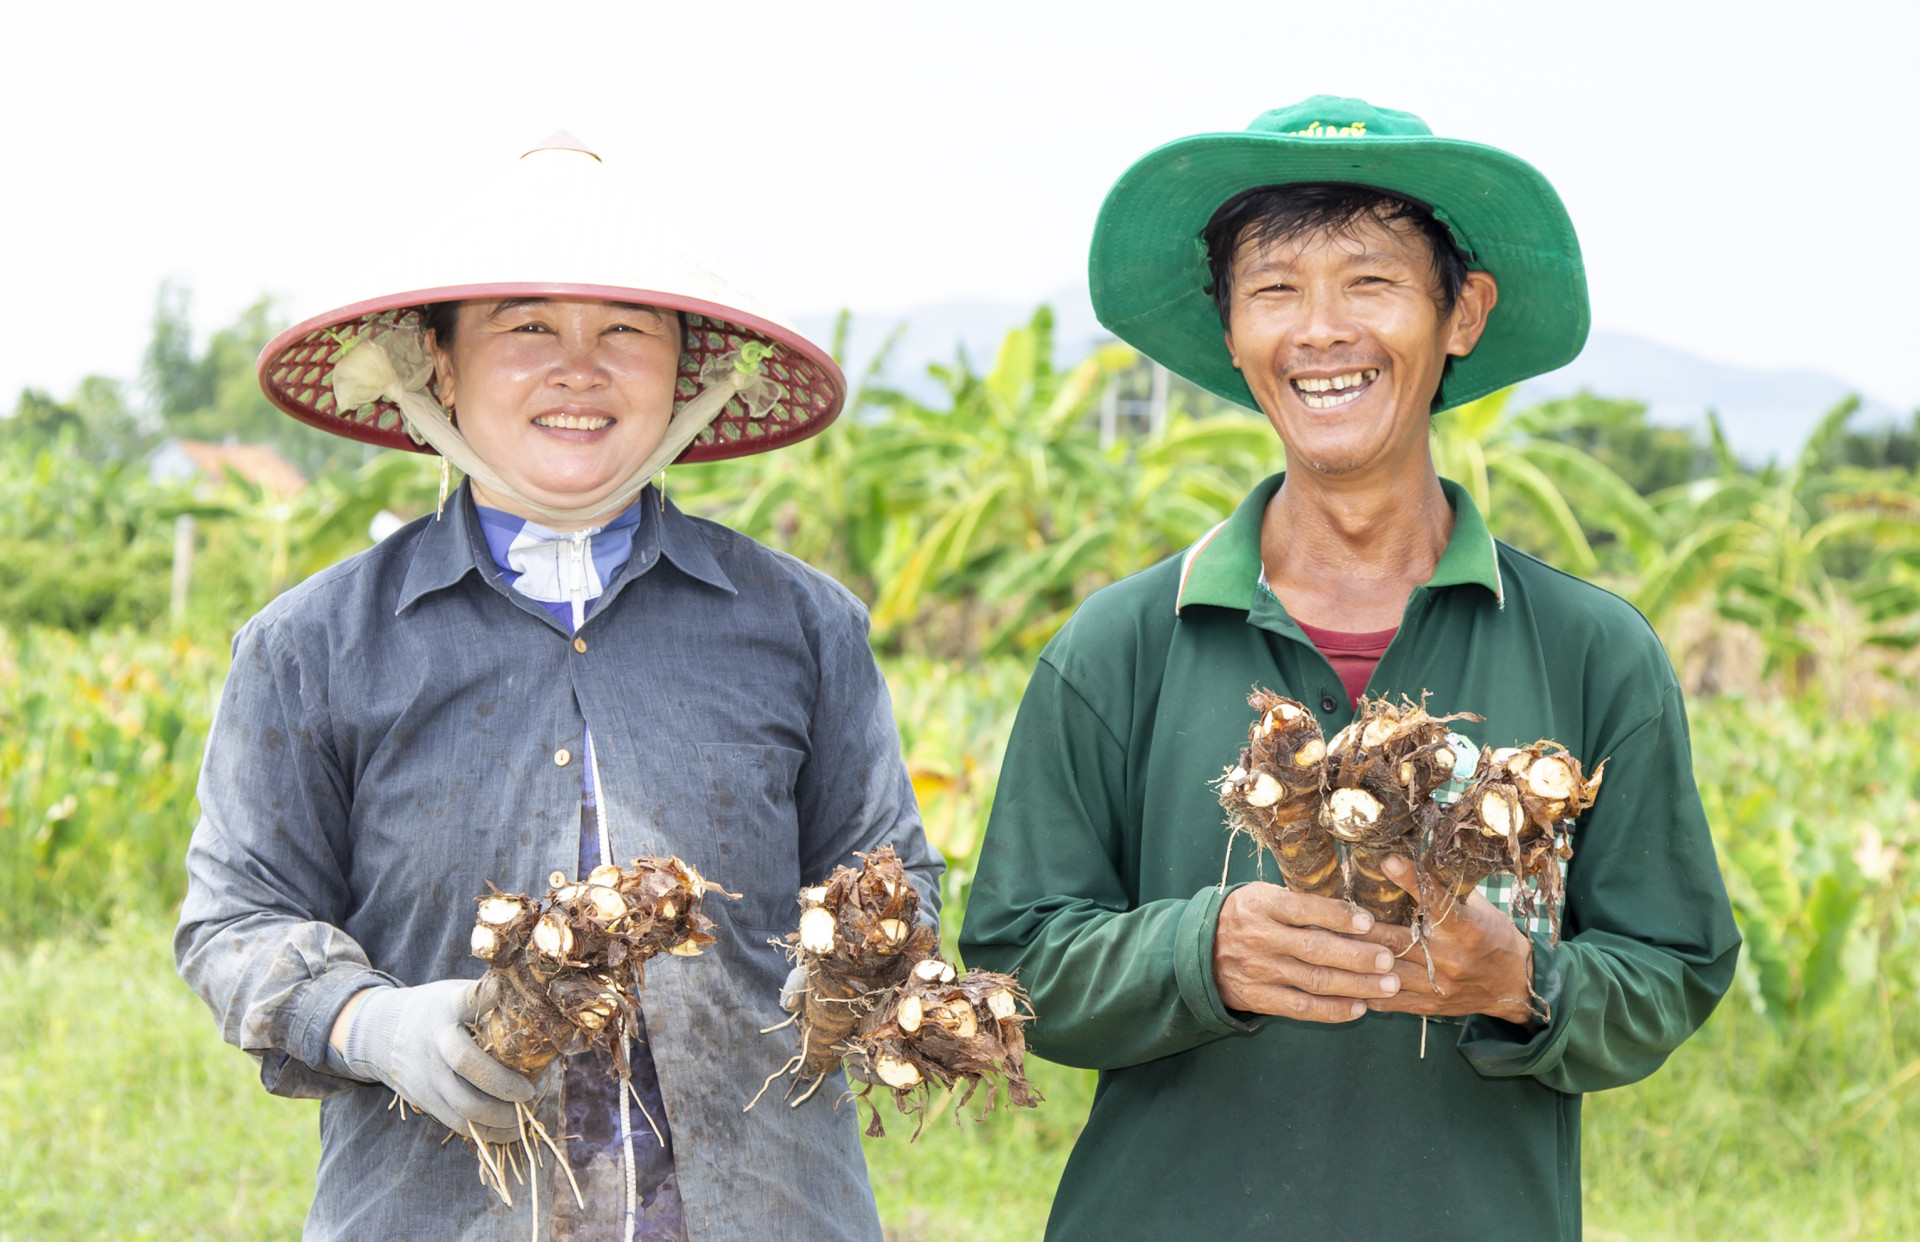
(326, 997)
(1193, 964)
(1500, 1049)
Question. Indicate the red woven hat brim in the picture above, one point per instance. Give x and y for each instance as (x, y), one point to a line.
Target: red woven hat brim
(296, 367)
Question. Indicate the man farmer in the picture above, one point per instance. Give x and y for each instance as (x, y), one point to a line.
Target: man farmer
(557, 670)
(1261, 1051)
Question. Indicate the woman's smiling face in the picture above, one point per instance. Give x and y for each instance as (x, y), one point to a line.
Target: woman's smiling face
(564, 397)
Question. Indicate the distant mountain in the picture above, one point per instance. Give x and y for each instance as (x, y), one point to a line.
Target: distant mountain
(1767, 414)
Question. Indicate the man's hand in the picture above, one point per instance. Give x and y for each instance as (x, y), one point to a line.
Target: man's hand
(1291, 954)
(415, 1041)
(1482, 963)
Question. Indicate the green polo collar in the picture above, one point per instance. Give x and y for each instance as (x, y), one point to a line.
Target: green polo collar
(1223, 565)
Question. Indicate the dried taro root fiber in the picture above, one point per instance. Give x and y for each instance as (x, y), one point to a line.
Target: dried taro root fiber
(1382, 771)
(1273, 794)
(565, 971)
(1514, 817)
(879, 996)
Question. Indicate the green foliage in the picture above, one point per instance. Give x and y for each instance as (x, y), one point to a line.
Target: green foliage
(329, 520)
(1747, 1134)
(100, 742)
(86, 543)
(1893, 447)
(1541, 475)
(975, 528)
(123, 1115)
(1818, 563)
(214, 394)
(96, 422)
(1817, 821)
(1616, 434)
(82, 543)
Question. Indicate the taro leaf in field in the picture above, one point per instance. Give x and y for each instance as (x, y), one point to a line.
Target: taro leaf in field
(1831, 909)
(1795, 907)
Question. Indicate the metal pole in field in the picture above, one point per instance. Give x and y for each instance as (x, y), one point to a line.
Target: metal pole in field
(1157, 409)
(182, 566)
(1110, 412)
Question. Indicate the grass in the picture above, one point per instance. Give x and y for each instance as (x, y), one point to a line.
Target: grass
(1747, 1135)
(123, 1115)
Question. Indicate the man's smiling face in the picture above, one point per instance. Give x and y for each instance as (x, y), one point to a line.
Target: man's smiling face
(1342, 337)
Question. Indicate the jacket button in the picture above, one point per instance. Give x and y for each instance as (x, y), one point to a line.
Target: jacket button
(562, 757)
(580, 645)
(1327, 704)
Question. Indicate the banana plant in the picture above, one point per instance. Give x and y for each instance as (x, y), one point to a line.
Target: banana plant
(1527, 482)
(838, 501)
(1770, 546)
(1017, 517)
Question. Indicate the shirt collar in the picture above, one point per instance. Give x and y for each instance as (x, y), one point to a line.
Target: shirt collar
(454, 545)
(1223, 566)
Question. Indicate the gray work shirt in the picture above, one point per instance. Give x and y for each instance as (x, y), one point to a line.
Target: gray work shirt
(399, 731)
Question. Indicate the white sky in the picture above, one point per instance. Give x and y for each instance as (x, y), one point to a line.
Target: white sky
(1744, 176)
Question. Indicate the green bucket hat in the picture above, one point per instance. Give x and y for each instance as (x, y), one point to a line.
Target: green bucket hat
(1148, 266)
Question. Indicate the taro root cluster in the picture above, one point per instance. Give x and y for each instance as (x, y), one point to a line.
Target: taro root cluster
(1331, 813)
(1513, 818)
(565, 972)
(570, 967)
(880, 998)
(1382, 772)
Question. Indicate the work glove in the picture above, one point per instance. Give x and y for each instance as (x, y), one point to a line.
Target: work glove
(415, 1041)
(793, 989)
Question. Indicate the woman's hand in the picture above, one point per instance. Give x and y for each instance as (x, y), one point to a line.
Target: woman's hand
(415, 1041)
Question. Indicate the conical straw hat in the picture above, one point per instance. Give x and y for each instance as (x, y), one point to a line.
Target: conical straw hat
(561, 222)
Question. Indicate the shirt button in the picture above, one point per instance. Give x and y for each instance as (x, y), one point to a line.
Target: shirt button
(562, 757)
(1327, 704)
(580, 645)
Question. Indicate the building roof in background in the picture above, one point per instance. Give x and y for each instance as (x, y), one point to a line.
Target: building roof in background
(258, 464)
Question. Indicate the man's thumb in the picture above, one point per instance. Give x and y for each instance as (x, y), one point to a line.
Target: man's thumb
(1403, 873)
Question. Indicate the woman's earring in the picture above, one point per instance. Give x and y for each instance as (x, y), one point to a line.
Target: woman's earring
(660, 485)
(446, 482)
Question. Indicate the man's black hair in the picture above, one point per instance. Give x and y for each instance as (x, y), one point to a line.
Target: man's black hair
(1277, 213)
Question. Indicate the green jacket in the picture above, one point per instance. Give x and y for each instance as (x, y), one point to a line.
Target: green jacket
(1099, 883)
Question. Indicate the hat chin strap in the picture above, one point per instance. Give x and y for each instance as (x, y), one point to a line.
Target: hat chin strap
(424, 415)
(394, 366)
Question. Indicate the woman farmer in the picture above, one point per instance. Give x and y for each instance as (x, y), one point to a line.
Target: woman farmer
(556, 670)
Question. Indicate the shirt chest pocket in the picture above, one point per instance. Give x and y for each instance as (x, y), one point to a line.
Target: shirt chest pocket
(752, 846)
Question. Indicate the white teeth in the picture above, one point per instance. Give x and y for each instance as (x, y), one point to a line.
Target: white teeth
(570, 422)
